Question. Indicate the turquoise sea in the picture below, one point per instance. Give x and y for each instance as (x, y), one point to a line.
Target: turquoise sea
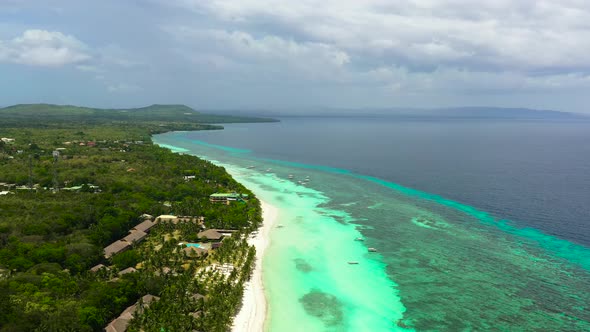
(440, 265)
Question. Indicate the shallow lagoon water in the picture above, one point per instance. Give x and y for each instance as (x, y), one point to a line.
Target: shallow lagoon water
(441, 265)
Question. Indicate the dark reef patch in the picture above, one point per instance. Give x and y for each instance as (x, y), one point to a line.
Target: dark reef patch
(324, 306)
(302, 265)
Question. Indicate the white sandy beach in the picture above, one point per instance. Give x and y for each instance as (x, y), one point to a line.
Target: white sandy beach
(252, 315)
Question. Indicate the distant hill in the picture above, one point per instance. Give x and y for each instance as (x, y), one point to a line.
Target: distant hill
(421, 113)
(496, 112)
(67, 113)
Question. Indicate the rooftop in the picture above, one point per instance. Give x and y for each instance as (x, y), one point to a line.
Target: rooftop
(115, 248)
(144, 226)
(228, 195)
(194, 251)
(98, 268)
(135, 236)
(127, 270)
(210, 234)
(166, 217)
(120, 323)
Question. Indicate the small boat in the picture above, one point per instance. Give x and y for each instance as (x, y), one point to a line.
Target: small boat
(359, 239)
(268, 169)
(290, 176)
(372, 250)
(250, 167)
(353, 263)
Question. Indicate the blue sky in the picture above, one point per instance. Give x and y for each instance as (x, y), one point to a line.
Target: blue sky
(296, 54)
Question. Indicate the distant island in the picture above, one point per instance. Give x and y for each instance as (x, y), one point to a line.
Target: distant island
(474, 112)
(101, 229)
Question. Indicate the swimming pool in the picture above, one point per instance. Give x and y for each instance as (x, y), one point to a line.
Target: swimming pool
(195, 245)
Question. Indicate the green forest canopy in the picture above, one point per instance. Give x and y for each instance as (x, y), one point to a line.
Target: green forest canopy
(49, 240)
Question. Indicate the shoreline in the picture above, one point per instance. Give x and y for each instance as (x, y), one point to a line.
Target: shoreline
(253, 313)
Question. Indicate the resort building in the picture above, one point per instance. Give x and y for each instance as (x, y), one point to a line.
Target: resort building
(195, 219)
(195, 251)
(121, 323)
(119, 246)
(139, 232)
(186, 219)
(226, 232)
(126, 271)
(144, 226)
(167, 218)
(211, 235)
(98, 268)
(146, 216)
(227, 197)
(135, 236)
(89, 187)
(116, 248)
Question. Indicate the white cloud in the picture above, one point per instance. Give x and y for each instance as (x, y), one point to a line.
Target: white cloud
(43, 48)
(309, 51)
(274, 47)
(239, 50)
(264, 47)
(525, 35)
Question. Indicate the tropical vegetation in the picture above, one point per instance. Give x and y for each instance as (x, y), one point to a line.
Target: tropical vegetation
(72, 181)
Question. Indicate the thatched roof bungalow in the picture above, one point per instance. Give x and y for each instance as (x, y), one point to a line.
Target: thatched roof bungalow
(98, 268)
(194, 251)
(210, 234)
(126, 271)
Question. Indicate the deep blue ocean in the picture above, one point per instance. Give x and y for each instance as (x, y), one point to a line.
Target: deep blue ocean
(533, 172)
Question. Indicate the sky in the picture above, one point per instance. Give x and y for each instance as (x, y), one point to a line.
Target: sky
(265, 54)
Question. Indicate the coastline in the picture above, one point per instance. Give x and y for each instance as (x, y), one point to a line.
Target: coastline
(320, 292)
(310, 286)
(253, 313)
